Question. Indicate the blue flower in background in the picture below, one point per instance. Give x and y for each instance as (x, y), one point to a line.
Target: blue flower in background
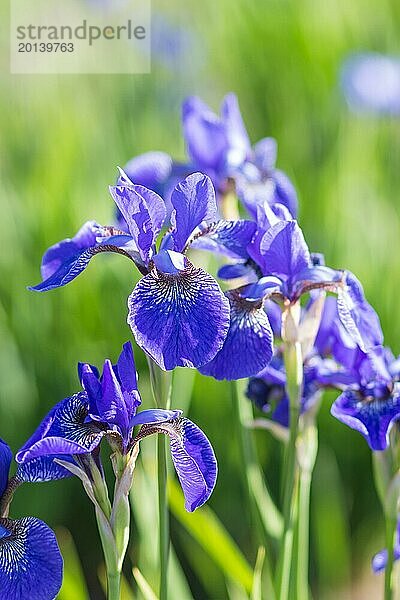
(108, 407)
(31, 565)
(380, 559)
(371, 83)
(177, 311)
(219, 146)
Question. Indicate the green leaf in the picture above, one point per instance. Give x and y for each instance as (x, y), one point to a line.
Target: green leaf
(207, 530)
(74, 585)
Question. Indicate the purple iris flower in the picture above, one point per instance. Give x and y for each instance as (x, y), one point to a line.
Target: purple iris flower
(268, 389)
(177, 311)
(370, 401)
(220, 146)
(108, 407)
(371, 404)
(380, 559)
(371, 83)
(280, 267)
(31, 565)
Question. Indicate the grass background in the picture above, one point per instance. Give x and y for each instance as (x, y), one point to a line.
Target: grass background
(61, 139)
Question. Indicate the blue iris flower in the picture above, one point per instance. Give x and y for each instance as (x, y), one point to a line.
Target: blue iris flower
(280, 268)
(219, 146)
(107, 407)
(31, 565)
(177, 311)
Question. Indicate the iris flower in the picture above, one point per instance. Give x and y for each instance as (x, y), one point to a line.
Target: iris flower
(279, 267)
(219, 146)
(177, 311)
(31, 565)
(107, 407)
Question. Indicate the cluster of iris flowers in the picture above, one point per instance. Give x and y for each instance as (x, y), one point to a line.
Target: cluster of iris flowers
(286, 322)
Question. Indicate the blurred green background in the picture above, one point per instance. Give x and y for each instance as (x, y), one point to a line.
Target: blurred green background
(61, 139)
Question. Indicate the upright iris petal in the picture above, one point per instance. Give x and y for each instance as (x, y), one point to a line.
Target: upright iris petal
(179, 319)
(143, 210)
(31, 565)
(194, 202)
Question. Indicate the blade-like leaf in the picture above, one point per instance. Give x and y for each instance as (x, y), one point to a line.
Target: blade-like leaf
(207, 530)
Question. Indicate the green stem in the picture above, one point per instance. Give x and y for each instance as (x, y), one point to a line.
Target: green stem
(390, 533)
(161, 384)
(163, 513)
(113, 586)
(294, 373)
(303, 539)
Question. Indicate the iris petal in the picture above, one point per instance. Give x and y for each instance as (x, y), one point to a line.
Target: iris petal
(248, 346)
(284, 250)
(144, 212)
(204, 134)
(63, 431)
(372, 418)
(73, 264)
(31, 565)
(179, 320)
(42, 469)
(230, 238)
(5, 462)
(194, 201)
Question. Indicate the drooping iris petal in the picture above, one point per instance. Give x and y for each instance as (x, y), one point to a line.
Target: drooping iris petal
(372, 417)
(144, 212)
(248, 346)
(358, 316)
(74, 264)
(284, 250)
(230, 238)
(193, 457)
(380, 559)
(317, 276)
(64, 431)
(58, 254)
(204, 134)
(154, 415)
(194, 201)
(232, 271)
(151, 169)
(31, 565)
(5, 462)
(195, 463)
(42, 469)
(179, 320)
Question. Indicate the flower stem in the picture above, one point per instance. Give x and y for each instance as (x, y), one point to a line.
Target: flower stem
(294, 376)
(161, 384)
(113, 586)
(303, 533)
(390, 533)
(265, 514)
